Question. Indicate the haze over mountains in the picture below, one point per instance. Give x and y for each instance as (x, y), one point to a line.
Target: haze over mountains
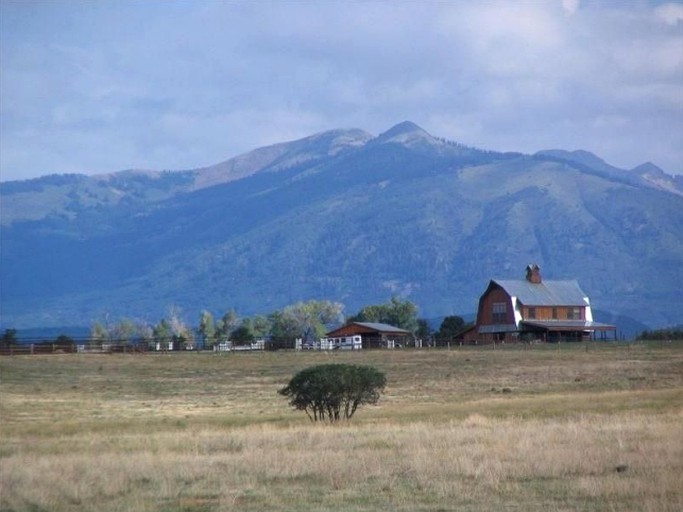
(341, 215)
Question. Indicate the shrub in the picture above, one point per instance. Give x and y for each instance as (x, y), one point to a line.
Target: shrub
(331, 392)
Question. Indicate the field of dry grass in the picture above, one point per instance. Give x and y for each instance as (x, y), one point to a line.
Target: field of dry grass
(469, 429)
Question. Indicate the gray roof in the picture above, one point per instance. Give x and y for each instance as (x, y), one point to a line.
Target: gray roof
(497, 328)
(567, 325)
(381, 327)
(545, 293)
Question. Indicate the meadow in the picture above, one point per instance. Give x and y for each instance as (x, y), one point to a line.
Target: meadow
(579, 427)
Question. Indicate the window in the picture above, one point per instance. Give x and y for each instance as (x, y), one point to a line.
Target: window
(532, 313)
(554, 313)
(499, 311)
(574, 314)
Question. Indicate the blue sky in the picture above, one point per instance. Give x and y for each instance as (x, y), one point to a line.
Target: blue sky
(95, 87)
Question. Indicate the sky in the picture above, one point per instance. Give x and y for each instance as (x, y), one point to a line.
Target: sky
(99, 86)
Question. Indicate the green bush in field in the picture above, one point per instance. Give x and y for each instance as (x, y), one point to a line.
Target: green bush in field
(331, 392)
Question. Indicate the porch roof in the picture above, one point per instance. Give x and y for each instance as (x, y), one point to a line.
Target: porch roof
(568, 325)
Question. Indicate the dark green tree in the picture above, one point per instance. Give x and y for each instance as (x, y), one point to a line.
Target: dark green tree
(397, 312)
(669, 333)
(163, 334)
(228, 322)
(373, 313)
(450, 326)
(331, 392)
(283, 326)
(423, 332)
(65, 342)
(9, 338)
(260, 326)
(243, 335)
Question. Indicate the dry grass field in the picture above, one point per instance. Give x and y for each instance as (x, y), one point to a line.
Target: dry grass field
(465, 429)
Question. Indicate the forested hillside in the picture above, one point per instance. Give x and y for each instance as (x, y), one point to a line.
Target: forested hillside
(341, 216)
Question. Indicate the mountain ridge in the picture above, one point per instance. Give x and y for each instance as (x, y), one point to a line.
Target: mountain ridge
(341, 215)
(286, 154)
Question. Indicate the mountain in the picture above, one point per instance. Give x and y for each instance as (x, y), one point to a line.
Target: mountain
(341, 215)
(647, 174)
(656, 177)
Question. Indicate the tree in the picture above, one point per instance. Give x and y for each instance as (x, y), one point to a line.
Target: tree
(226, 325)
(374, 313)
(403, 314)
(242, 335)
(260, 326)
(251, 328)
(282, 326)
(9, 338)
(450, 326)
(145, 331)
(65, 342)
(331, 392)
(307, 320)
(99, 334)
(207, 328)
(162, 333)
(423, 332)
(123, 331)
(396, 312)
(181, 333)
(669, 333)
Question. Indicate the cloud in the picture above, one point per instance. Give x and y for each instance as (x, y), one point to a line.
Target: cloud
(98, 87)
(570, 6)
(670, 13)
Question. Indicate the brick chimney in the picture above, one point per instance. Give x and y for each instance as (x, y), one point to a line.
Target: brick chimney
(533, 274)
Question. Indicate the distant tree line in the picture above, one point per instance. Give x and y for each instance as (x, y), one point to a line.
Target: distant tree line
(671, 333)
(61, 343)
(9, 337)
(308, 320)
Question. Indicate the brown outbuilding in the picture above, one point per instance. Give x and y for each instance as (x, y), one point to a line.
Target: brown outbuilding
(374, 335)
